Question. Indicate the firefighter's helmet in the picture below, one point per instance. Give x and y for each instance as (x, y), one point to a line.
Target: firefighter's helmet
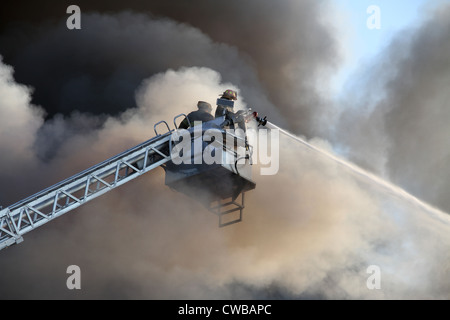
(229, 94)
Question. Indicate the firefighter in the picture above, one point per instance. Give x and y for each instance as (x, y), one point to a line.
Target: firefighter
(226, 102)
(225, 107)
(232, 120)
(203, 114)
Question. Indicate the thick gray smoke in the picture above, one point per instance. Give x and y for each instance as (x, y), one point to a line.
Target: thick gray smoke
(311, 231)
(19, 123)
(253, 44)
(316, 237)
(400, 126)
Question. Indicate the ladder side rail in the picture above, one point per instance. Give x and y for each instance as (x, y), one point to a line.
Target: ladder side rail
(14, 222)
(162, 139)
(41, 199)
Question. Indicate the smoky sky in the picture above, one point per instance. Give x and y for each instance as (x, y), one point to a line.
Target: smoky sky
(96, 69)
(71, 99)
(400, 112)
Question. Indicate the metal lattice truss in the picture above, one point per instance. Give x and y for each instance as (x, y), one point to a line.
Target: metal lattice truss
(69, 194)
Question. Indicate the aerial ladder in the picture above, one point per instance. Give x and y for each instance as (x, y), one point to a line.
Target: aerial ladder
(223, 182)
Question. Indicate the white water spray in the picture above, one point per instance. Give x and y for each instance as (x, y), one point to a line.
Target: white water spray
(391, 188)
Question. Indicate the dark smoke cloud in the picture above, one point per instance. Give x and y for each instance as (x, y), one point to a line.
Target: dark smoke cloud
(420, 149)
(96, 70)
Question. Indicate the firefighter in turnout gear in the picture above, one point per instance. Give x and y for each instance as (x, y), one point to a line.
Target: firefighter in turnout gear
(226, 102)
(203, 114)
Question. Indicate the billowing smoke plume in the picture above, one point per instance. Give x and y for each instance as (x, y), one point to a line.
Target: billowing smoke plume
(19, 123)
(255, 45)
(315, 239)
(399, 127)
(311, 231)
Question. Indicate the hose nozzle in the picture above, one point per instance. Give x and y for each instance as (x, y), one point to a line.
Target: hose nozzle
(261, 121)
